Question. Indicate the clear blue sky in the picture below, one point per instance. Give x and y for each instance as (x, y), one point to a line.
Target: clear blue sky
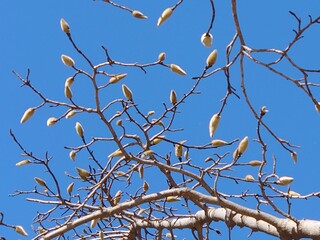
(31, 38)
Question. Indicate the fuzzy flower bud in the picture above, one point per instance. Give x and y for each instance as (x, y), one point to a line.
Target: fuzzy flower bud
(79, 129)
(206, 39)
(64, 26)
(138, 14)
(212, 58)
(162, 57)
(164, 16)
(117, 78)
(27, 114)
(19, 229)
(175, 68)
(51, 121)
(70, 188)
(40, 181)
(213, 124)
(173, 97)
(127, 92)
(68, 61)
(84, 174)
(23, 162)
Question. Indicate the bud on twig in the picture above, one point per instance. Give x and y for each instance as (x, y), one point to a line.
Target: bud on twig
(218, 143)
(255, 163)
(294, 156)
(70, 114)
(67, 92)
(162, 57)
(40, 181)
(23, 162)
(164, 16)
(117, 197)
(19, 229)
(64, 26)
(283, 181)
(84, 174)
(213, 124)
(117, 78)
(68, 61)
(175, 68)
(127, 92)
(243, 145)
(51, 121)
(249, 178)
(212, 58)
(79, 129)
(27, 114)
(72, 155)
(173, 199)
(70, 188)
(206, 39)
(69, 81)
(138, 14)
(173, 97)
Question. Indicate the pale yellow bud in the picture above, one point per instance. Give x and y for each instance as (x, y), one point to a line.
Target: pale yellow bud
(121, 174)
(177, 69)
(139, 15)
(117, 78)
(173, 199)
(157, 140)
(145, 186)
(155, 121)
(243, 145)
(119, 122)
(162, 57)
(147, 153)
(70, 114)
(293, 194)
(23, 162)
(249, 178)
(126, 92)
(283, 181)
(218, 143)
(64, 26)
(255, 163)
(294, 157)
(213, 124)
(19, 229)
(212, 58)
(150, 113)
(141, 171)
(72, 155)
(51, 121)
(70, 188)
(68, 61)
(164, 16)
(317, 106)
(117, 197)
(206, 39)
(84, 174)
(27, 114)
(186, 154)
(40, 181)
(208, 159)
(169, 235)
(173, 97)
(236, 154)
(178, 150)
(117, 153)
(79, 129)
(67, 92)
(69, 81)
(94, 222)
(101, 234)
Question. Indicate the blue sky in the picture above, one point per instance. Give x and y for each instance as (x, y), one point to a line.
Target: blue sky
(32, 38)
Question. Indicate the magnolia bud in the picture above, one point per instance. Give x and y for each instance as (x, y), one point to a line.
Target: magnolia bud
(212, 58)
(186, 154)
(243, 145)
(145, 186)
(70, 114)
(94, 222)
(72, 155)
(162, 57)
(317, 106)
(51, 121)
(178, 150)
(121, 174)
(27, 114)
(23, 162)
(147, 153)
(173, 97)
(285, 180)
(249, 178)
(293, 194)
(157, 140)
(172, 199)
(69, 81)
(119, 122)
(84, 174)
(294, 156)
(255, 163)
(117, 197)
(101, 231)
(20, 230)
(213, 124)
(68, 61)
(218, 143)
(117, 153)
(79, 129)
(164, 16)
(138, 14)
(127, 92)
(150, 113)
(67, 92)
(40, 181)
(64, 26)
(206, 39)
(175, 68)
(117, 78)
(70, 188)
